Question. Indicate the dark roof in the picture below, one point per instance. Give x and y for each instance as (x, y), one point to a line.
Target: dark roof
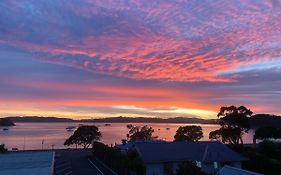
(205, 151)
(129, 145)
(228, 170)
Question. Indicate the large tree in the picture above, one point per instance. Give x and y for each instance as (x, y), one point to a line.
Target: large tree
(141, 133)
(189, 133)
(234, 123)
(84, 136)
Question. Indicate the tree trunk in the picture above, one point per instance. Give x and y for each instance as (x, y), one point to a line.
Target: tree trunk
(241, 139)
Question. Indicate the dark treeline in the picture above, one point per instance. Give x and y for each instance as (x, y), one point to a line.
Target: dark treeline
(265, 120)
(114, 120)
(23, 119)
(154, 120)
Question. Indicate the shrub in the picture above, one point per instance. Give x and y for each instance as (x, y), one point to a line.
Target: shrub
(121, 163)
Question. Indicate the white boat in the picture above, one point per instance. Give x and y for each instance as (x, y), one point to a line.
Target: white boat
(70, 127)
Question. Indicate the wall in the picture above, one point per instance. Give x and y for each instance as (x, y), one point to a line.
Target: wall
(154, 169)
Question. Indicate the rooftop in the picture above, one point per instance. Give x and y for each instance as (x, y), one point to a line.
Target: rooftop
(228, 170)
(26, 163)
(204, 151)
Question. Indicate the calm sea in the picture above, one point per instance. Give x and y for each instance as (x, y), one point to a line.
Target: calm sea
(31, 135)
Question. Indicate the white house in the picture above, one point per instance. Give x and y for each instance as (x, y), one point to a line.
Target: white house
(162, 158)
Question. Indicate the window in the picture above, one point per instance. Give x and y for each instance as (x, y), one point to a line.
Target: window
(199, 164)
(216, 165)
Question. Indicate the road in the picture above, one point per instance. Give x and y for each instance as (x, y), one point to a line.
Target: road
(79, 162)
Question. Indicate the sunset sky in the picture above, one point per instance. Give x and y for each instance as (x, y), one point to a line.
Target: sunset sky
(154, 58)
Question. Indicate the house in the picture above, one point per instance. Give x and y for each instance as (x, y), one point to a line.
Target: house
(228, 170)
(162, 158)
(126, 146)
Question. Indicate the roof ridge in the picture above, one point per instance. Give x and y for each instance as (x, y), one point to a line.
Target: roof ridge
(205, 152)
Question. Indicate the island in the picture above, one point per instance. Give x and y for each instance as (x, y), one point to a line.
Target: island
(6, 122)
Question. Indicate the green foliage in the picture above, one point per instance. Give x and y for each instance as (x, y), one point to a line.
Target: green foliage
(189, 133)
(226, 135)
(3, 149)
(216, 135)
(85, 136)
(265, 158)
(234, 123)
(264, 120)
(121, 163)
(268, 133)
(141, 133)
(188, 168)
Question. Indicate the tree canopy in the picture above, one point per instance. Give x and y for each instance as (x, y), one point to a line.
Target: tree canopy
(234, 123)
(123, 164)
(189, 133)
(84, 136)
(141, 133)
(268, 133)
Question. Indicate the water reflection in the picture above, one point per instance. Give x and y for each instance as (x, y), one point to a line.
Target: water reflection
(30, 135)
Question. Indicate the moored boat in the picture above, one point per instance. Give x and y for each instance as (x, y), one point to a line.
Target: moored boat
(70, 128)
(129, 126)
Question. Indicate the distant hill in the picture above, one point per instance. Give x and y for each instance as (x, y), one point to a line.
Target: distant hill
(113, 120)
(38, 119)
(152, 120)
(263, 120)
(6, 122)
(256, 121)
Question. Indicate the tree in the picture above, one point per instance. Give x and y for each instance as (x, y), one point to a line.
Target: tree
(189, 133)
(234, 123)
(85, 136)
(216, 135)
(188, 168)
(125, 164)
(265, 133)
(225, 135)
(141, 133)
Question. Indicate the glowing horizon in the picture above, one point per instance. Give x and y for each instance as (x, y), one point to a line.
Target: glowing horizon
(139, 58)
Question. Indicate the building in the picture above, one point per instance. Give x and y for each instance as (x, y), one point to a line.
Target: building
(27, 163)
(126, 146)
(228, 170)
(162, 158)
